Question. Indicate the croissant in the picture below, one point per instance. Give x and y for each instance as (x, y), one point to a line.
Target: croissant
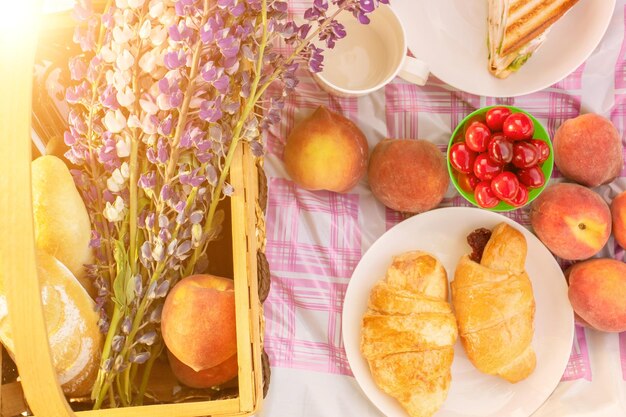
(495, 308)
(409, 332)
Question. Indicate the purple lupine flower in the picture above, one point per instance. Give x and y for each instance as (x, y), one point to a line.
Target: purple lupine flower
(78, 68)
(229, 46)
(180, 32)
(185, 7)
(210, 110)
(175, 59)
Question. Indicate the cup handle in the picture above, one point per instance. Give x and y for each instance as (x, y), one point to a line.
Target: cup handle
(414, 71)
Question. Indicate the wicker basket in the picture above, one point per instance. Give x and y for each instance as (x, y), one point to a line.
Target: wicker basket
(36, 387)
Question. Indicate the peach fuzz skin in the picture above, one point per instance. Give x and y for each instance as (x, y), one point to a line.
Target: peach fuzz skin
(571, 220)
(326, 151)
(597, 290)
(618, 213)
(198, 321)
(588, 150)
(408, 175)
(205, 378)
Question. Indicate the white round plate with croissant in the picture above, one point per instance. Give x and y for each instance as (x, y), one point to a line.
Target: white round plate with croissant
(493, 343)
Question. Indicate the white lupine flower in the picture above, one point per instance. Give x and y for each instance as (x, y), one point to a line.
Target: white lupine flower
(121, 79)
(156, 8)
(125, 170)
(125, 97)
(146, 29)
(125, 60)
(158, 35)
(116, 181)
(122, 146)
(107, 54)
(148, 126)
(163, 102)
(114, 121)
(121, 4)
(122, 35)
(148, 106)
(133, 121)
(115, 212)
(147, 62)
(135, 4)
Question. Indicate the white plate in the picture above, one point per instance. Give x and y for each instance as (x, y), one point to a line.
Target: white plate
(442, 232)
(451, 36)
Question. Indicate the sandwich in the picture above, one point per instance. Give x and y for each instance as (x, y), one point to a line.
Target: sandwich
(517, 28)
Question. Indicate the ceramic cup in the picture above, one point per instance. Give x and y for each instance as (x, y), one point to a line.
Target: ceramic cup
(369, 57)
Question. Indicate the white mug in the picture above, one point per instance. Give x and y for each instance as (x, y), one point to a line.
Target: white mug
(369, 57)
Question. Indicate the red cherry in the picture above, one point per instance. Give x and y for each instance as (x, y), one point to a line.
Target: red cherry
(486, 169)
(544, 150)
(518, 126)
(495, 118)
(484, 195)
(467, 182)
(500, 149)
(505, 185)
(520, 198)
(476, 118)
(477, 136)
(531, 177)
(525, 154)
(462, 158)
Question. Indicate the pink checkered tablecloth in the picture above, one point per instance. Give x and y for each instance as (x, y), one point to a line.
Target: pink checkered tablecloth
(316, 239)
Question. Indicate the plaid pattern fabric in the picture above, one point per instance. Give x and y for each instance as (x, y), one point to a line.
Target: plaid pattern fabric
(315, 239)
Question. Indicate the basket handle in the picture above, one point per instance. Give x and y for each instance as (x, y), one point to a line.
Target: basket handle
(17, 244)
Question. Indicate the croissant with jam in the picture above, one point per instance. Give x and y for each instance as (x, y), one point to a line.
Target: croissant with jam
(494, 304)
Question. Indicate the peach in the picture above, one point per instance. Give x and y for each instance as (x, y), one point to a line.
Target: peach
(198, 321)
(326, 151)
(408, 175)
(571, 220)
(205, 378)
(597, 290)
(618, 213)
(588, 150)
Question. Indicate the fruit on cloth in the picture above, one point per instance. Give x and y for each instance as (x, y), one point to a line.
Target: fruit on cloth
(408, 175)
(510, 160)
(588, 150)
(71, 322)
(597, 290)
(571, 220)
(618, 214)
(62, 225)
(205, 378)
(198, 321)
(326, 151)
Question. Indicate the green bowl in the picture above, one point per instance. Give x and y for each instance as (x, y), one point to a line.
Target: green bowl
(540, 133)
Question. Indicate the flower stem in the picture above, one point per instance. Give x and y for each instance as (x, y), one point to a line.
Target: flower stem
(100, 388)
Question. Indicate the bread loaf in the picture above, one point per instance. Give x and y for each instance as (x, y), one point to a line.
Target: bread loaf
(62, 225)
(72, 325)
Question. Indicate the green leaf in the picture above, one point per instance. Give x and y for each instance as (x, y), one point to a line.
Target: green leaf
(123, 275)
